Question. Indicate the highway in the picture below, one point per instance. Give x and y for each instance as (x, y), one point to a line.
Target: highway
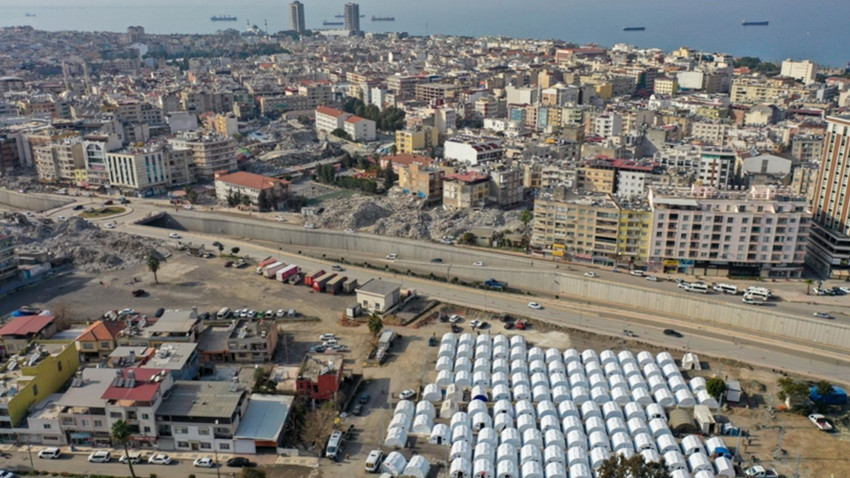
(596, 318)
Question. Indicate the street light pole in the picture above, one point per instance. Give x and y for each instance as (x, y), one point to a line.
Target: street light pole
(29, 452)
(215, 451)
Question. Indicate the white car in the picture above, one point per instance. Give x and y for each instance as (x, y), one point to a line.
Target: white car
(6, 474)
(109, 225)
(636, 273)
(392, 257)
(204, 462)
(310, 225)
(278, 218)
(478, 264)
(174, 235)
(159, 459)
(132, 458)
(455, 318)
(652, 278)
(590, 274)
(475, 323)
(534, 305)
(280, 313)
(349, 231)
(100, 456)
(406, 394)
(50, 453)
(29, 214)
(822, 315)
(327, 336)
(189, 207)
(61, 218)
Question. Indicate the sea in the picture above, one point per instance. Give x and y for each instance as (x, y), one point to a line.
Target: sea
(799, 29)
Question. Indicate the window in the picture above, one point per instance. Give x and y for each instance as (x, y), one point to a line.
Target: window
(144, 416)
(181, 430)
(223, 446)
(35, 389)
(206, 446)
(182, 444)
(203, 431)
(115, 415)
(147, 429)
(59, 365)
(98, 423)
(47, 426)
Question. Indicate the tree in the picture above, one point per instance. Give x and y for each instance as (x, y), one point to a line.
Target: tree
(809, 283)
(234, 250)
(467, 238)
(153, 266)
(263, 201)
(375, 324)
(715, 386)
(320, 424)
(823, 388)
(191, 194)
(389, 177)
(342, 134)
(121, 436)
(792, 390)
(635, 467)
(220, 248)
(526, 216)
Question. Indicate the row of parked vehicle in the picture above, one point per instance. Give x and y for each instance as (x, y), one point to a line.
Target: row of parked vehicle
(228, 313)
(105, 456)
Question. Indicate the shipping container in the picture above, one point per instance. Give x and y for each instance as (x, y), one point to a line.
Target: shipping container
(334, 286)
(320, 282)
(271, 271)
(263, 263)
(284, 274)
(350, 286)
(308, 279)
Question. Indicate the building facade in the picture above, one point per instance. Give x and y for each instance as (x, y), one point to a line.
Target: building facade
(352, 17)
(296, 16)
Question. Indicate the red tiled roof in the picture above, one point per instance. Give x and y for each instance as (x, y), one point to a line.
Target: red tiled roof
(353, 119)
(468, 177)
(101, 330)
(143, 391)
(329, 111)
(26, 324)
(408, 159)
(251, 180)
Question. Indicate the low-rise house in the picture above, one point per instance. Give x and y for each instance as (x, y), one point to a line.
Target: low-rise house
(250, 185)
(377, 295)
(16, 335)
(98, 340)
(243, 341)
(180, 359)
(320, 376)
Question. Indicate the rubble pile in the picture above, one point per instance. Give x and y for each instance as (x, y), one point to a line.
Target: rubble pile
(87, 246)
(406, 216)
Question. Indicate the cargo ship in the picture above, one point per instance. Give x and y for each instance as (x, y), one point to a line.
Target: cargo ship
(223, 18)
(634, 29)
(382, 19)
(332, 24)
(755, 24)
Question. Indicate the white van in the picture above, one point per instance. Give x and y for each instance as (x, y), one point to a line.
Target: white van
(697, 287)
(726, 288)
(373, 461)
(334, 445)
(223, 313)
(760, 293)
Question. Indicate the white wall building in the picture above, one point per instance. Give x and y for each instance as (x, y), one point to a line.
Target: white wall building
(805, 70)
(473, 151)
(716, 168)
(360, 129)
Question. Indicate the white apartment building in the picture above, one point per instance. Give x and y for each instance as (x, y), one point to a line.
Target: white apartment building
(716, 168)
(329, 119)
(607, 125)
(631, 183)
(472, 151)
(805, 70)
(712, 133)
(134, 397)
(141, 169)
(702, 230)
(360, 129)
(211, 152)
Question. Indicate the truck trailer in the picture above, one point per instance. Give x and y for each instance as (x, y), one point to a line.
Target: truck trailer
(320, 282)
(309, 278)
(334, 286)
(271, 271)
(350, 286)
(265, 262)
(284, 274)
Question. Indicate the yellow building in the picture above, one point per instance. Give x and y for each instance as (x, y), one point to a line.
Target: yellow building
(40, 373)
(421, 180)
(81, 176)
(596, 178)
(753, 90)
(582, 229)
(666, 86)
(604, 88)
(420, 139)
(633, 233)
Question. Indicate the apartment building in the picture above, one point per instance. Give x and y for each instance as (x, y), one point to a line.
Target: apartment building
(596, 177)
(422, 180)
(320, 376)
(8, 259)
(404, 87)
(98, 340)
(145, 171)
(58, 161)
(807, 147)
(180, 359)
(633, 233)
(463, 191)
(829, 248)
(666, 86)
(753, 90)
(505, 186)
(211, 152)
(473, 151)
(582, 229)
(417, 139)
(250, 185)
(296, 17)
(715, 134)
(134, 111)
(81, 410)
(134, 396)
(760, 232)
(172, 326)
(558, 175)
(359, 129)
(804, 71)
(242, 341)
(429, 92)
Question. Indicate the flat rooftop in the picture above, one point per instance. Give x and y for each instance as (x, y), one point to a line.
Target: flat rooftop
(201, 399)
(379, 287)
(171, 356)
(315, 365)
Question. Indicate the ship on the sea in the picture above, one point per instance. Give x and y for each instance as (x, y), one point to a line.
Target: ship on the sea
(382, 19)
(634, 29)
(755, 24)
(223, 18)
(29, 14)
(332, 24)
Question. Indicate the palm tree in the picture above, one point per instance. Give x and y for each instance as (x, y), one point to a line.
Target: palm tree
(153, 266)
(375, 324)
(121, 436)
(809, 283)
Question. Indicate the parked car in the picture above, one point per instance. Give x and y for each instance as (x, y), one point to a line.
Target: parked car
(652, 278)
(79, 207)
(436, 260)
(317, 349)
(822, 315)
(357, 410)
(475, 323)
(61, 218)
(50, 453)
(406, 394)
(750, 301)
(590, 274)
(132, 458)
(7, 474)
(478, 264)
(159, 459)
(636, 273)
(672, 333)
(203, 462)
(509, 325)
(373, 461)
(392, 257)
(327, 336)
(239, 462)
(310, 225)
(100, 456)
(337, 267)
(228, 264)
(109, 225)
(280, 313)
(174, 235)
(139, 293)
(534, 305)
(215, 244)
(454, 318)
(108, 202)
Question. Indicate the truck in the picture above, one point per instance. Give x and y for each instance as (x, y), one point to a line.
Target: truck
(350, 286)
(494, 284)
(334, 286)
(821, 422)
(309, 278)
(284, 274)
(296, 278)
(265, 262)
(270, 272)
(320, 282)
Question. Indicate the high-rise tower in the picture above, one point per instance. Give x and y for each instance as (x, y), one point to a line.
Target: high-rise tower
(352, 17)
(296, 16)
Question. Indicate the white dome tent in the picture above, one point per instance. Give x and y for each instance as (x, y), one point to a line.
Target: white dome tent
(650, 456)
(481, 365)
(432, 393)
(549, 422)
(461, 433)
(444, 378)
(621, 395)
(631, 369)
(426, 408)
(554, 438)
(636, 382)
(558, 379)
(536, 353)
(422, 425)
(488, 435)
(691, 444)
(611, 409)
(590, 410)
(521, 392)
(575, 368)
(633, 410)
(503, 421)
(499, 378)
(576, 438)
(700, 462)
(463, 379)
(394, 463)
(453, 392)
(502, 406)
(598, 455)
(481, 420)
(666, 443)
(593, 424)
(553, 355)
(440, 434)
(684, 399)
(615, 425)
(676, 383)
(396, 438)
(519, 365)
(568, 409)
(626, 356)
(507, 469)
(500, 351)
(445, 364)
(560, 393)
(400, 420)
(484, 451)
(479, 392)
(612, 368)
(541, 393)
(679, 473)
(669, 370)
(500, 365)
(598, 439)
(656, 383)
(703, 398)
(588, 356)
(533, 437)
(460, 449)
(580, 470)
(539, 378)
(464, 351)
(405, 407)
(448, 409)
(417, 467)
(458, 419)
(482, 468)
(460, 468)
(518, 379)
(525, 422)
(555, 470)
(576, 456)
(517, 340)
(704, 474)
(617, 380)
(537, 366)
(664, 358)
(571, 423)
(640, 395)
(571, 355)
(510, 436)
(546, 408)
(643, 441)
(532, 469)
(483, 339)
(637, 425)
(644, 357)
(664, 398)
(655, 410)
(506, 452)
(553, 454)
(529, 453)
(724, 467)
(449, 337)
(600, 394)
(483, 351)
(697, 384)
(580, 394)
(649, 370)
(463, 364)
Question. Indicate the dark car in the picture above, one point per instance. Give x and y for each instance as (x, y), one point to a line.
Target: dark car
(437, 261)
(672, 333)
(509, 325)
(139, 293)
(79, 207)
(239, 462)
(159, 312)
(108, 203)
(216, 243)
(228, 264)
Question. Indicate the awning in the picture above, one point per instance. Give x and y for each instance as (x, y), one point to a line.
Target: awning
(81, 435)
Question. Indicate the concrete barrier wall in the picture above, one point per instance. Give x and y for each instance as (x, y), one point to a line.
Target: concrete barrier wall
(416, 256)
(31, 202)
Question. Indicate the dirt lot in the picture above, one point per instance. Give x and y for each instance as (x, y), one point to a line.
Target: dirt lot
(187, 282)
